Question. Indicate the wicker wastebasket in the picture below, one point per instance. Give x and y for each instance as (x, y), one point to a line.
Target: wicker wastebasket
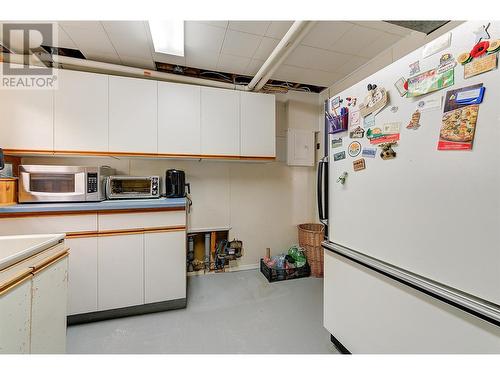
(310, 238)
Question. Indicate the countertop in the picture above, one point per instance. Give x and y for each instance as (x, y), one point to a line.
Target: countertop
(14, 249)
(110, 205)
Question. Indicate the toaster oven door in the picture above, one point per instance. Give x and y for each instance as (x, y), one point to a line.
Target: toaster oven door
(128, 187)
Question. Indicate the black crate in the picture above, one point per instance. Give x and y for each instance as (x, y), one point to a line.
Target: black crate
(273, 275)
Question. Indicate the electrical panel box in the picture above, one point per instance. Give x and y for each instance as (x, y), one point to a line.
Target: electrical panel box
(300, 147)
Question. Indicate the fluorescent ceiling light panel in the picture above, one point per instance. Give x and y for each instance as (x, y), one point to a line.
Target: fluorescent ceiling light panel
(168, 37)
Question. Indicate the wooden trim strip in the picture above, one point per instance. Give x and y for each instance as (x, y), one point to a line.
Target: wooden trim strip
(118, 232)
(15, 282)
(20, 152)
(91, 212)
(47, 262)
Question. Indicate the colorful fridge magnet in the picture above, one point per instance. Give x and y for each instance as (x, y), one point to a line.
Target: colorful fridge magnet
(358, 165)
(351, 102)
(430, 81)
(459, 119)
(339, 156)
(446, 62)
(357, 132)
(374, 101)
(414, 68)
(387, 151)
(386, 133)
(333, 121)
(400, 86)
(337, 142)
(369, 152)
(494, 46)
(482, 32)
(354, 118)
(354, 149)
(480, 65)
(342, 178)
(414, 122)
(368, 121)
(335, 102)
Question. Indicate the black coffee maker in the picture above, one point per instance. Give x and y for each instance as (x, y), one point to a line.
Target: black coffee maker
(175, 183)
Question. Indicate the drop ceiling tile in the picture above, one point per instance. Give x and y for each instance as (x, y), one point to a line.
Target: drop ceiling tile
(94, 39)
(240, 44)
(353, 63)
(251, 27)
(315, 58)
(265, 48)
(81, 24)
(203, 37)
(125, 27)
(138, 62)
(222, 24)
(325, 33)
(169, 59)
(232, 64)
(384, 26)
(355, 40)
(278, 29)
(202, 60)
(134, 43)
(380, 44)
(63, 40)
(254, 66)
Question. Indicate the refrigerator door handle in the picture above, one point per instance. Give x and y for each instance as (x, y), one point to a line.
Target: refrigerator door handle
(322, 191)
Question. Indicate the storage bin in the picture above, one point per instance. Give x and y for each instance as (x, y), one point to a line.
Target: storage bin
(273, 275)
(310, 238)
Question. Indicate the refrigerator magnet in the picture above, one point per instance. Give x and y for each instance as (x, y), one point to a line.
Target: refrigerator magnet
(358, 165)
(354, 149)
(339, 156)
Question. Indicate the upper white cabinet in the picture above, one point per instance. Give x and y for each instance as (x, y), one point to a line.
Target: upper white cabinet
(300, 147)
(220, 122)
(258, 124)
(81, 112)
(27, 119)
(133, 115)
(178, 119)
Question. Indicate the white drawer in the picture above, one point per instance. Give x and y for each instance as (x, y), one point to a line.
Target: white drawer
(141, 220)
(48, 224)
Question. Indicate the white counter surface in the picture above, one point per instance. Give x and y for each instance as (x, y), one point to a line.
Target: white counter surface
(14, 249)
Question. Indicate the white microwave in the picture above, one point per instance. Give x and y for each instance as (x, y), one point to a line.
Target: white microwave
(55, 183)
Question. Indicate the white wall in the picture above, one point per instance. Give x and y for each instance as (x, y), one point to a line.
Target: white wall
(261, 202)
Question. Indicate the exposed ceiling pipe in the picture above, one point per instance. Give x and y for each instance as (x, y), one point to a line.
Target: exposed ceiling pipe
(290, 41)
(96, 66)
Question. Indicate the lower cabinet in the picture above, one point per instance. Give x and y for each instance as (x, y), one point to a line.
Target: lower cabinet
(82, 296)
(120, 271)
(15, 315)
(164, 266)
(48, 309)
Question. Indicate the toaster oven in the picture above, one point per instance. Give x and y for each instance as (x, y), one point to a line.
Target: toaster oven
(131, 187)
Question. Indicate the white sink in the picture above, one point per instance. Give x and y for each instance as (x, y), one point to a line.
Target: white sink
(16, 248)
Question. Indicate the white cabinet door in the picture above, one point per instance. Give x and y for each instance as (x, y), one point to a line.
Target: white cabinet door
(15, 315)
(165, 266)
(258, 124)
(81, 112)
(300, 147)
(27, 119)
(48, 309)
(120, 271)
(178, 119)
(220, 122)
(82, 287)
(133, 115)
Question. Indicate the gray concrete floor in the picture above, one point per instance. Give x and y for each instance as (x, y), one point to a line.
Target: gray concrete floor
(234, 312)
